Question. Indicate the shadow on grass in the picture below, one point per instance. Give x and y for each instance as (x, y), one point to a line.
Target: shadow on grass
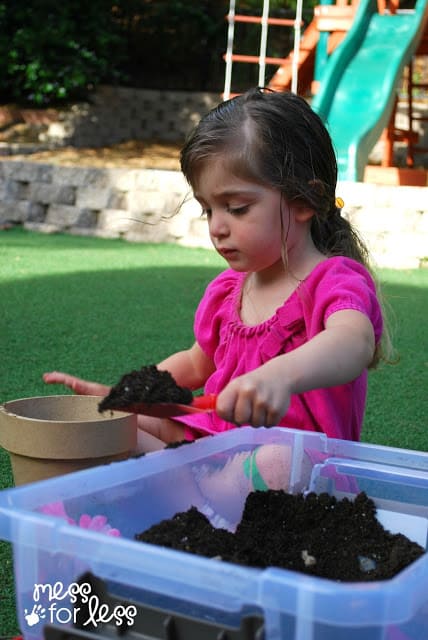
(100, 324)
(397, 401)
(96, 325)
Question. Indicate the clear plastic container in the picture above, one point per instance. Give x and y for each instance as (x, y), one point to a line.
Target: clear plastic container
(137, 493)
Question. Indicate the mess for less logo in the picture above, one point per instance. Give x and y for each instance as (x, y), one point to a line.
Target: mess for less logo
(55, 596)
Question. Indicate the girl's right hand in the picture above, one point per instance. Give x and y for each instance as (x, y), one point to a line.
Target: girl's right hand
(79, 386)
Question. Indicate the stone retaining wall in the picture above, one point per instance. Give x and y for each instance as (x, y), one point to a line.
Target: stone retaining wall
(138, 205)
(392, 220)
(119, 114)
(156, 206)
(114, 115)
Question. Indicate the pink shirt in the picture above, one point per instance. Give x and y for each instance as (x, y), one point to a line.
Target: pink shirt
(335, 284)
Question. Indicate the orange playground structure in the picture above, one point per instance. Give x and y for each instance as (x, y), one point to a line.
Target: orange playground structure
(360, 34)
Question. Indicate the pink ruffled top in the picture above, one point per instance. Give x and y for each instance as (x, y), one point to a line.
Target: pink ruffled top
(335, 284)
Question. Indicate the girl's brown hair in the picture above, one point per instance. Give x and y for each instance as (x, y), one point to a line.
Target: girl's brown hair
(276, 139)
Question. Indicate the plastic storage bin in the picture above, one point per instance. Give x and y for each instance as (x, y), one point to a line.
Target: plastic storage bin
(206, 597)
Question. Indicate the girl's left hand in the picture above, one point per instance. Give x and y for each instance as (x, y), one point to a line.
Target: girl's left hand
(258, 398)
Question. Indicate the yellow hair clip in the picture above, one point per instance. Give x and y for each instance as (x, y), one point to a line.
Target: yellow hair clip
(339, 203)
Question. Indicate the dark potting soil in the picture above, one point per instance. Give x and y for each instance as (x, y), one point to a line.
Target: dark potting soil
(315, 534)
(148, 385)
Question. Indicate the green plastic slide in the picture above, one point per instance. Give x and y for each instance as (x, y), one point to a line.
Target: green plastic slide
(360, 81)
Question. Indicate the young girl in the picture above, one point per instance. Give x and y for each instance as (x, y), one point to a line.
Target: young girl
(286, 335)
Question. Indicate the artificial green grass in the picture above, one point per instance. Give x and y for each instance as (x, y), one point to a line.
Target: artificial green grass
(99, 308)
(96, 308)
(397, 406)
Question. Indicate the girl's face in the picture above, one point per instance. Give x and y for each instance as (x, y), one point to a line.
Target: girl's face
(244, 218)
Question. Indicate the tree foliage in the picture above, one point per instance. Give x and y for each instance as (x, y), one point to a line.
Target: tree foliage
(52, 51)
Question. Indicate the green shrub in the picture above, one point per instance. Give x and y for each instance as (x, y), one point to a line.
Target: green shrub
(53, 51)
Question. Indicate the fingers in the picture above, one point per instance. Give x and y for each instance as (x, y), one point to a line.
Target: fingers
(247, 401)
(57, 377)
(77, 385)
(250, 408)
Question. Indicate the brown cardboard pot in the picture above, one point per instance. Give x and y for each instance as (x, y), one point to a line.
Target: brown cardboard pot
(51, 435)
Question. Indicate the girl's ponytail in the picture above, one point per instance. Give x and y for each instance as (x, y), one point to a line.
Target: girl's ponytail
(334, 235)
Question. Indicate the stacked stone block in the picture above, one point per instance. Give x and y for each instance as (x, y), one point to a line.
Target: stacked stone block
(148, 205)
(138, 205)
(392, 220)
(117, 114)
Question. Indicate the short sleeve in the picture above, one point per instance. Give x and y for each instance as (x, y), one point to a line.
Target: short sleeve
(217, 307)
(346, 284)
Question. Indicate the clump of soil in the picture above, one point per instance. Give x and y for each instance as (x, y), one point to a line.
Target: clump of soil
(148, 385)
(314, 534)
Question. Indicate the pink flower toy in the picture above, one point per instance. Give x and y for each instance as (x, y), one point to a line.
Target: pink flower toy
(94, 523)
